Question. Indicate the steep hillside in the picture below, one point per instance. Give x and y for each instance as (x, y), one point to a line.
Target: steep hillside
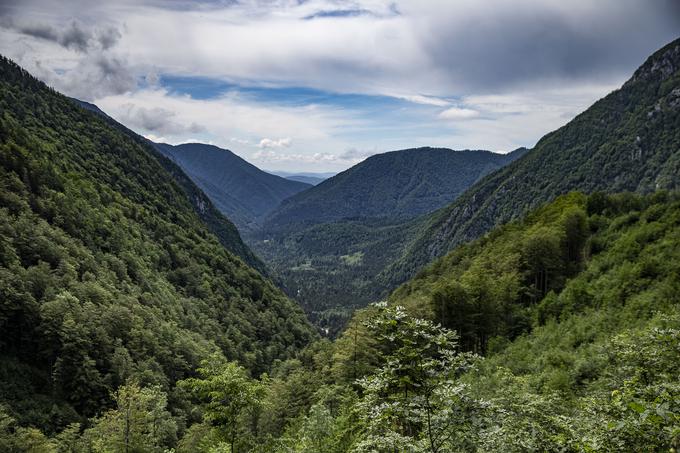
(329, 243)
(107, 273)
(240, 190)
(223, 228)
(395, 185)
(629, 140)
(576, 307)
(574, 311)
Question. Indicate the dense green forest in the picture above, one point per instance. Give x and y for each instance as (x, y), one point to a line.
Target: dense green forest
(394, 185)
(629, 140)
(329, 242)
(569, 326)
(107, 272)
(329, 268)
(219, 225)
(130, 320)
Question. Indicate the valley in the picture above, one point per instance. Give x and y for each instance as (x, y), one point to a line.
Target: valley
(159, 297)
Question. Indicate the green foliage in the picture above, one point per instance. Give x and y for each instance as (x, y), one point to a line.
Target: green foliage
(107, 271)
(413, 401)
(644, 409)
(595, 368)
(228, 397)
(202, 205)
(488, 288)
(312, 263)
(16, 439)
(591, 365)
(139, 422)
(330, 242)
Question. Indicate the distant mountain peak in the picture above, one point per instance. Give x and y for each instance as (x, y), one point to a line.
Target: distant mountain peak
(240, 190)
(396, 184)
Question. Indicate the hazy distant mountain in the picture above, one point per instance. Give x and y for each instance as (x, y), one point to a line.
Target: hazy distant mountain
(306, 177)
(394, 185)
(240, 190)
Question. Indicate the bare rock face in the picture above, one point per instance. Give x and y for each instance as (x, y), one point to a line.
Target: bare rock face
(663, 64)
(673, 99)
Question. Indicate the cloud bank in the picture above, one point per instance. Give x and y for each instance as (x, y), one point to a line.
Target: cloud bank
(493, 74)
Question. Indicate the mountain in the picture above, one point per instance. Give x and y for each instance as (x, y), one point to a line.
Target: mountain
(222, 227)
(576, 310)
(629, 140)
(108, 273)
(306, 179)
(304, 175)
(127, 324)
(395, 185)
(92, 108)
(329, 242)
(240, 190)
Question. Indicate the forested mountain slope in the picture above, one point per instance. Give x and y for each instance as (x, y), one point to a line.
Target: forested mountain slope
(222, 227)
(395, 185)
(629, 140)
(329, 243)
(568, 326)
(576, 307)
(574, 312)
(240, 190)
(107, 273)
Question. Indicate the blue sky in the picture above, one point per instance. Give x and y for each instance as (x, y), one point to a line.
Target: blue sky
(321, 84)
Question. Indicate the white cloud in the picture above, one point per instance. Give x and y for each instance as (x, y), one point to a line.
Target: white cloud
(426, 52)
(357, 155)
(224, 117)
(420, 99)
(507, 121)
(269, 143)
(270, 156)
(157, 138)
(236, 123)
(156, 119)
(350, 156)
(458, 113)
(240, 141)
(491, 74)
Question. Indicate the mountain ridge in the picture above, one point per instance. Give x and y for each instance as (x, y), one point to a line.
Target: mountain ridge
(239, 189)
(329, 260)
(220, 225)
(108, 272)
(630, 143)
(396, 184)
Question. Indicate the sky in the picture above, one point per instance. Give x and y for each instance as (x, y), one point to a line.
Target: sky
(319, 85)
